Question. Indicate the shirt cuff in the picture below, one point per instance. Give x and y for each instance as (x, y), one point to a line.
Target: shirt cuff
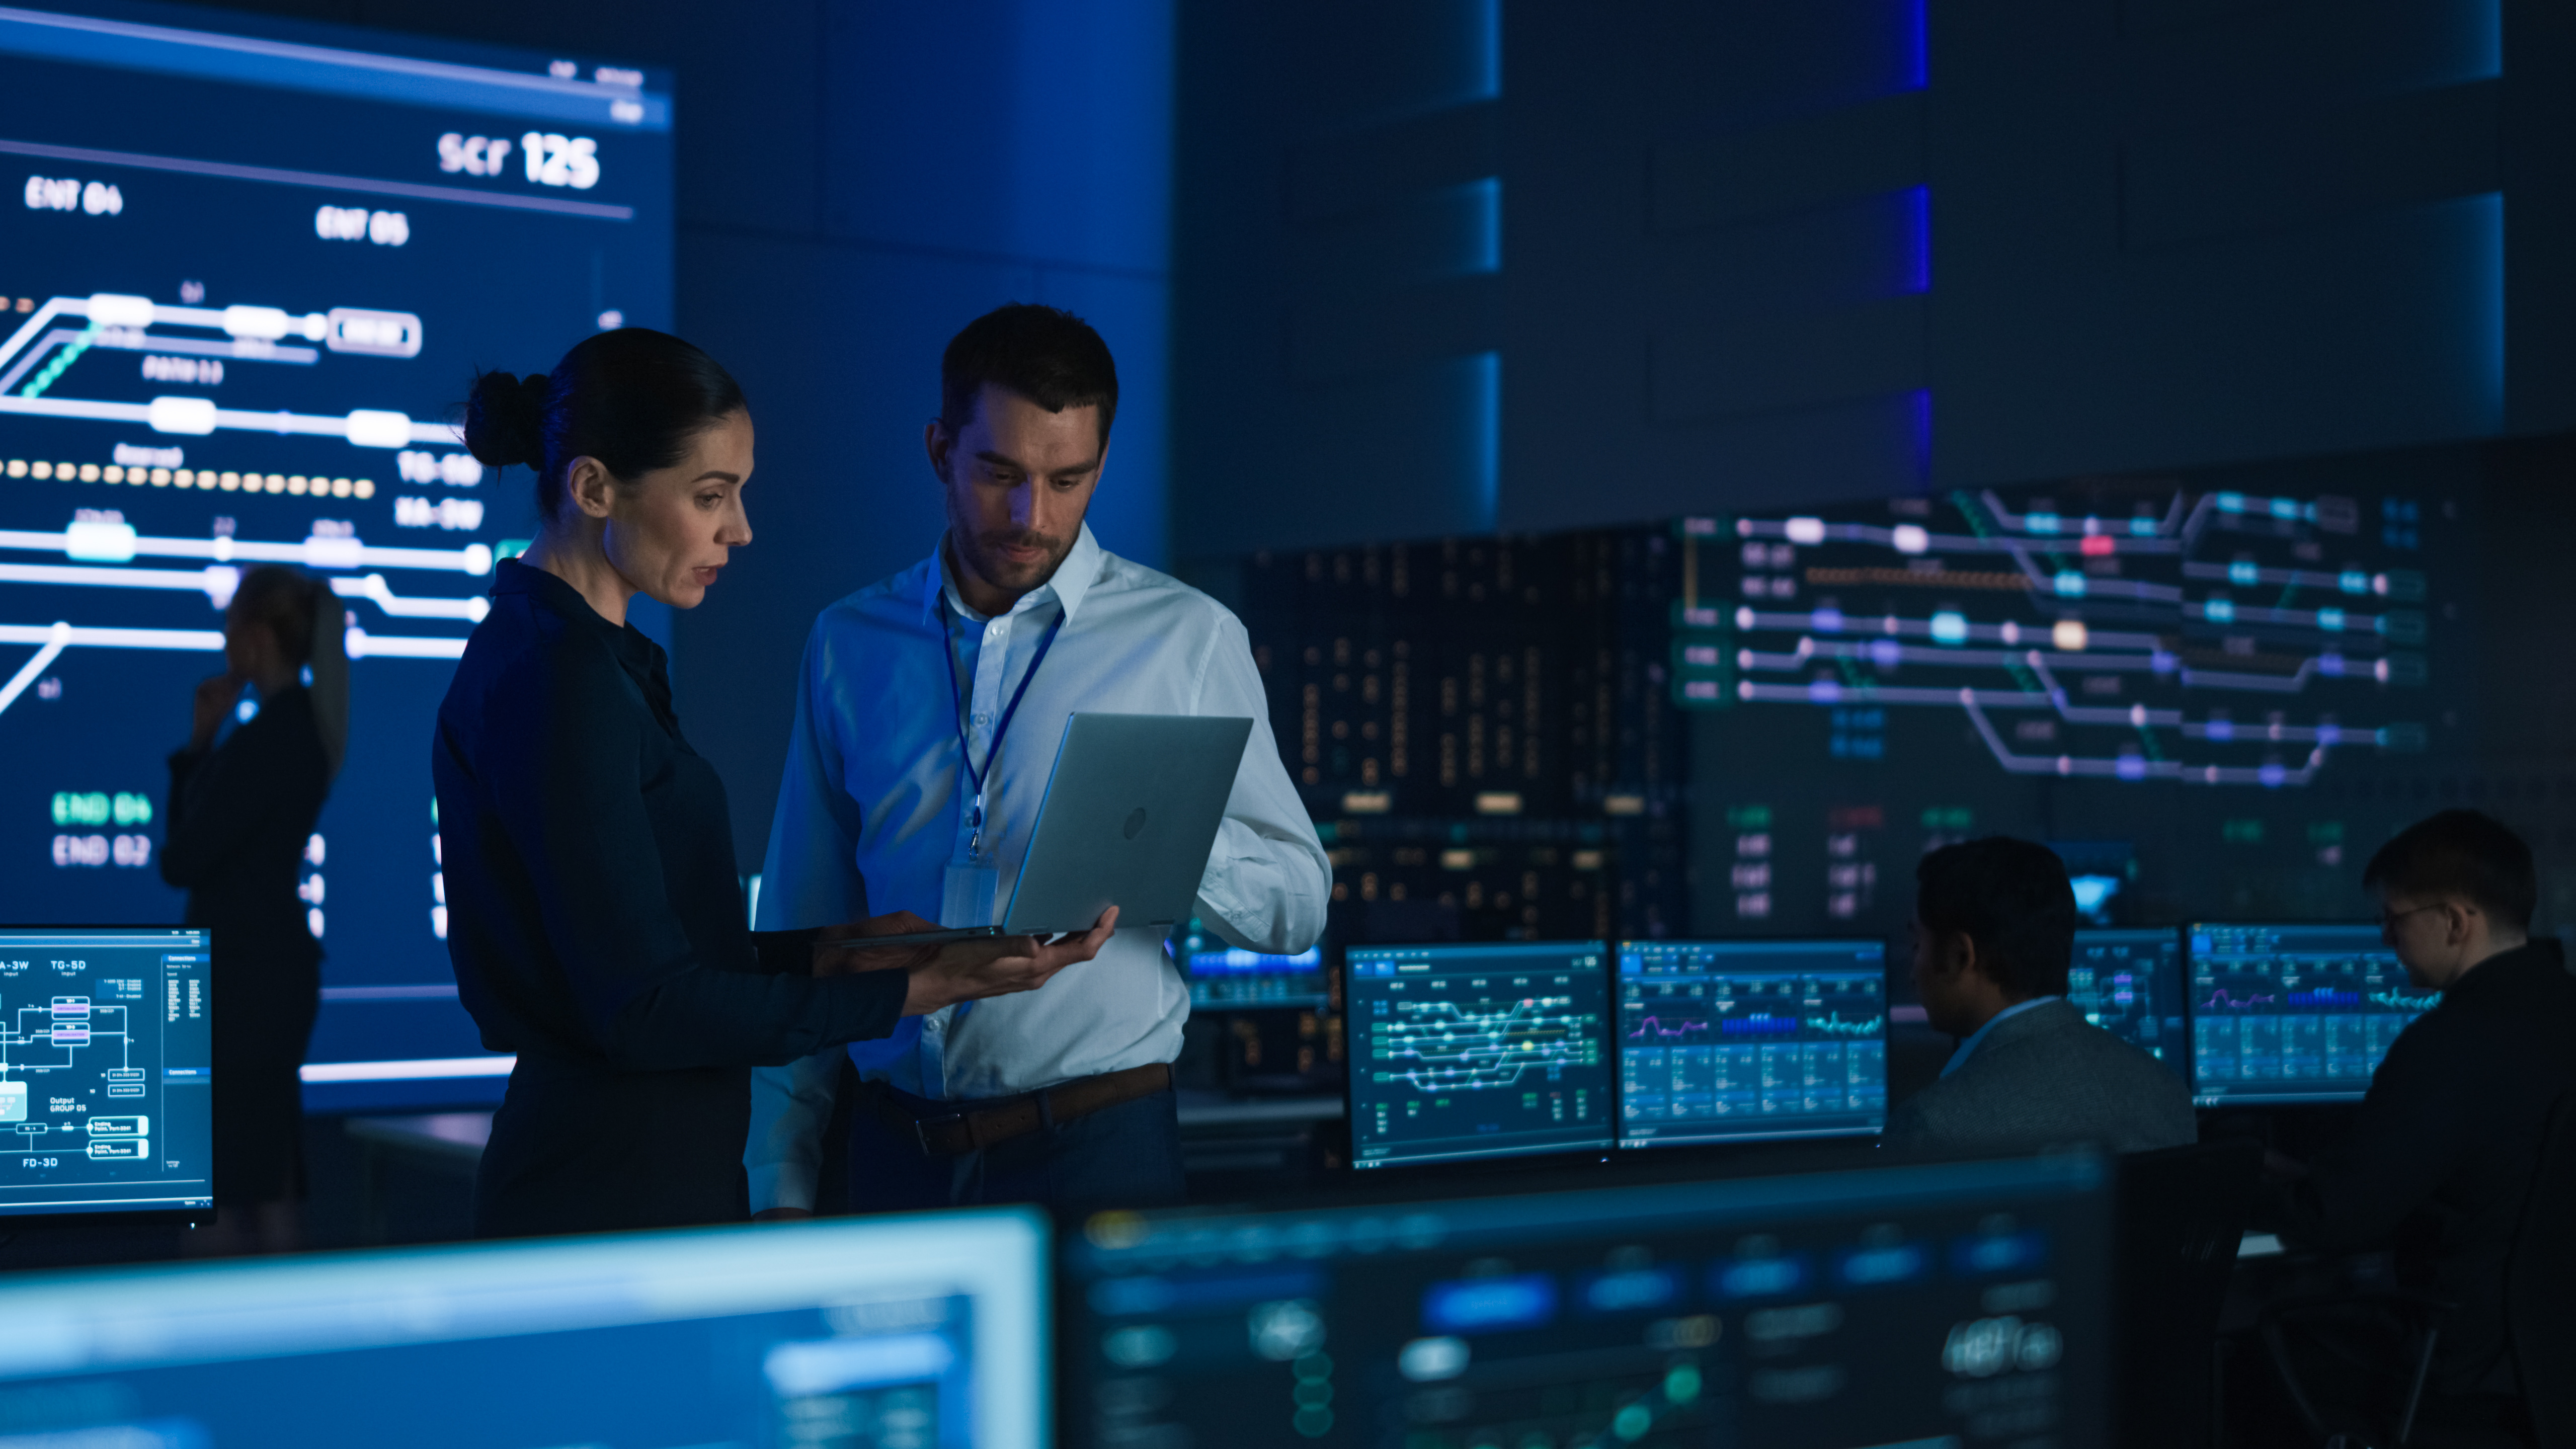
(782, 1185)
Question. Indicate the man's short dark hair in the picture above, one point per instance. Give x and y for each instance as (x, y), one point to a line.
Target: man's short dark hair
(2011, 897)
(2461, 853)
(1045, 354)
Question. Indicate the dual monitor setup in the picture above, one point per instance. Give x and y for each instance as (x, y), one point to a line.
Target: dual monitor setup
(1460, 1052)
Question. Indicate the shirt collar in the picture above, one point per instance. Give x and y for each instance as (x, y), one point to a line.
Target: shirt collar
(1073, 579)
(1968, 1048)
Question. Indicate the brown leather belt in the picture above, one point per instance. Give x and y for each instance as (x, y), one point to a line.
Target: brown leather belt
(950, 1133)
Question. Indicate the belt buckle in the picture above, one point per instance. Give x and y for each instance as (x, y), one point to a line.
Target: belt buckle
(921, 1131)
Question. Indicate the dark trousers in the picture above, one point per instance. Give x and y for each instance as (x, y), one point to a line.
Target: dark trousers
(1123, 1156)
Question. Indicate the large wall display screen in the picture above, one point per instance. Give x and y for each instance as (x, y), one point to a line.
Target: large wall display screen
(245, 280)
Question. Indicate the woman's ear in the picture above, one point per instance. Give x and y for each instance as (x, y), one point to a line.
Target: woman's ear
(589, 484)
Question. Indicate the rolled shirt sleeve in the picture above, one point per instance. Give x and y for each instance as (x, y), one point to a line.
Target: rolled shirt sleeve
(1267, 881)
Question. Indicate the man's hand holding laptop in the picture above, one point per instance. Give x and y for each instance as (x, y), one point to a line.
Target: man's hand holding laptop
(945, 973)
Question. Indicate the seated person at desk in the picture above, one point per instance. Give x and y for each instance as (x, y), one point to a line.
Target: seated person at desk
(2441, 1155)
(1994, 933)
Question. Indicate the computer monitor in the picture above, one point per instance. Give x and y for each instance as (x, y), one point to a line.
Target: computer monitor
(2129, 983)
(1496, 1049)
(1730, 1041)
(928, 1331)
(106, 1061)
(2293, 1013)
(1959, 1303)
(1229, 978)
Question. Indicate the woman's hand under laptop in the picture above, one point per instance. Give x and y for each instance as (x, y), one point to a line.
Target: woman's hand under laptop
(943, 975)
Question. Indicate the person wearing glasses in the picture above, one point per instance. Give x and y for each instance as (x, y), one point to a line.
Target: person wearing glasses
(2438, 1160)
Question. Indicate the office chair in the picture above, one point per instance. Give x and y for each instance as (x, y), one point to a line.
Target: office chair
(2182, 1213)
(2540, 1286)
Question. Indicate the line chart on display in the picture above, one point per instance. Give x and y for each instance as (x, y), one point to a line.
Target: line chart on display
(2214, 638)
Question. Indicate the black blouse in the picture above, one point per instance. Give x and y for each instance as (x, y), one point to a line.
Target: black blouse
(239, 816)
(597, 927)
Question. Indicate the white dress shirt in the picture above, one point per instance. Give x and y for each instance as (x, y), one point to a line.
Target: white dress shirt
(872, 811)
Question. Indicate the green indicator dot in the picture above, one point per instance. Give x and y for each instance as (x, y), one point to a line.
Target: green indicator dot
(1633, 1422)
(1313, 1423)
(1682, 1384)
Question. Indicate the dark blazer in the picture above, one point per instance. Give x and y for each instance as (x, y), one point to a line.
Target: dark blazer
(2047, 1076)
(597, 929)
(238, 820)
(2442, 1152)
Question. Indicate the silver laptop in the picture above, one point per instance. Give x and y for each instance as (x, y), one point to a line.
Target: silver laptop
(1130, 813)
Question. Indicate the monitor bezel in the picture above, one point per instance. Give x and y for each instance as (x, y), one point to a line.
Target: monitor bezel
(2179, 936)
(1455, 1161)
(186, 1217)
(2214, 1102)
(1704, 1141)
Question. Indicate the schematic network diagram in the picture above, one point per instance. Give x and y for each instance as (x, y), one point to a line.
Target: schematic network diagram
(59, 1047)
(2213, 638)
(1483, 1046)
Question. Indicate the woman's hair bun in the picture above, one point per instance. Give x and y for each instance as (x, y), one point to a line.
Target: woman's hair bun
(505, 420)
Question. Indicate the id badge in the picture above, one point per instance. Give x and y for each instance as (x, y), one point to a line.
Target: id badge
(966, 895)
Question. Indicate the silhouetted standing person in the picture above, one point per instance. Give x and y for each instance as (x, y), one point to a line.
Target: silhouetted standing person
(241, 813)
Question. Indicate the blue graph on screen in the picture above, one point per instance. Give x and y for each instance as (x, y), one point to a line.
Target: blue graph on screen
(1724, 1040)
(2299, 1013)
(247, 279)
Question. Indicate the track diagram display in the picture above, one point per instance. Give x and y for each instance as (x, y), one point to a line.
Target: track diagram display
(2130, 984)
(245, 280)
(106, 1042)
(1484, 1050)
(1734, 1040)
(2210, 638)
(2203, 689)
(2294, 1013)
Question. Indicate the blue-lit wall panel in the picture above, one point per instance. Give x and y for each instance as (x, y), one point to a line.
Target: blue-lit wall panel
(1340, 254)
(855, 182)
(2305, 244)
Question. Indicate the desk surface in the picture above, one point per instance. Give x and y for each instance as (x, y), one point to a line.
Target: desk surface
(455, 1136)
(460, 1136)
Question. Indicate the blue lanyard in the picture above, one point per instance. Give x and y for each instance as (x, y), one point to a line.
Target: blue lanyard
(965, 751)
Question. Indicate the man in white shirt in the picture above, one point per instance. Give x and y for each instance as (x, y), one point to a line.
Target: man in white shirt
(950, 682)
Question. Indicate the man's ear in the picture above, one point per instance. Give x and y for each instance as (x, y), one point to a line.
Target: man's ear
(1955, 955)
(938, 442)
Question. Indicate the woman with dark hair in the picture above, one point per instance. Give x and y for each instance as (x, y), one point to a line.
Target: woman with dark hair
(241, 815)
(595, 919)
